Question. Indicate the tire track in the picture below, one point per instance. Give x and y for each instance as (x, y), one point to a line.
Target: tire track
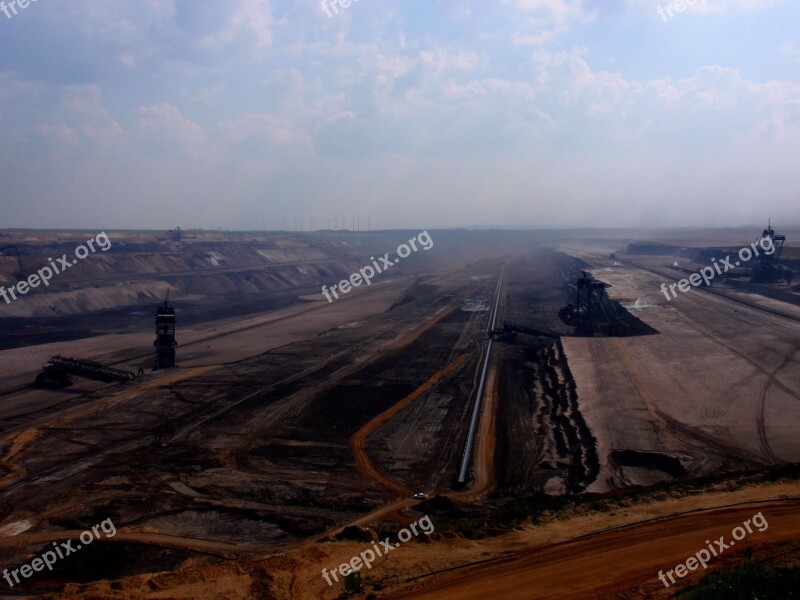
(772, 380)
(723, 301)
(761, 418)
(669, 424)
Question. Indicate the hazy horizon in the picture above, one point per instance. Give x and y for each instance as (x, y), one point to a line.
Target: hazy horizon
(534, 114)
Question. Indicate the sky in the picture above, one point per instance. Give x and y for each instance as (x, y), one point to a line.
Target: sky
(251, 114)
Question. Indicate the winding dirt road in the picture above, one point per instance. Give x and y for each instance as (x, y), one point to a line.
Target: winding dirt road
(358, 441)
(484, 480)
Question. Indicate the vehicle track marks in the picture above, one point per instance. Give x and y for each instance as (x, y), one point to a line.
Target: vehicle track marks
(669, 424)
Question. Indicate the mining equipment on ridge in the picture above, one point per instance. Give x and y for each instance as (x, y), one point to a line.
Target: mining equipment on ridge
(59, 370)
(165, 336)
(20, 274)
(769, 269)
(593, 312)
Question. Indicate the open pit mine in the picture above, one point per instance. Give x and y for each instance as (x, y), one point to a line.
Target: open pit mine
(566, 428)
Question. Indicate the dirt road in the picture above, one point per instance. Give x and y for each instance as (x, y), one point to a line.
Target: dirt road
(358, 440)
(601, 565)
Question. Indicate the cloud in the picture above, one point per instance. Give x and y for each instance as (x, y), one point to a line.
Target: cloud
(250, 19)
(258, 135)
(552, 11)
(163, 129)
(790, 50)
(547, 107)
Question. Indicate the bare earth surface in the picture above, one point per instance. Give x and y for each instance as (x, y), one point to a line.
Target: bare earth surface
(290, 418)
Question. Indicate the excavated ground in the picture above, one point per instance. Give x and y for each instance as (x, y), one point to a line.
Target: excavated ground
(258, 452)
(283, 424)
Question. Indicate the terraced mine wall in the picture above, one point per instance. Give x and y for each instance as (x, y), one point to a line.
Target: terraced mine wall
(138, 273)
(764, 290)
(540, 417)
